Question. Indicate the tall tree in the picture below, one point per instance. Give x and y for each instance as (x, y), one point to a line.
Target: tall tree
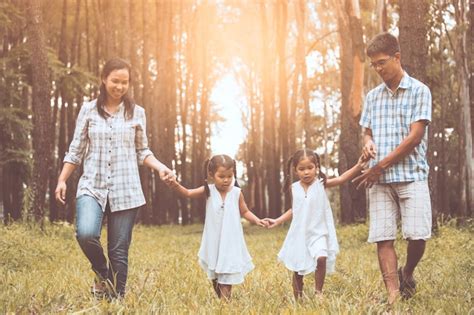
(461, 55)
(352, 75)
(41, 108)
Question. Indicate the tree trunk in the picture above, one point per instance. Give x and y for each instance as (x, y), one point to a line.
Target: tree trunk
(466, 179)
(282, 33)
(352, 73)
(41, 108)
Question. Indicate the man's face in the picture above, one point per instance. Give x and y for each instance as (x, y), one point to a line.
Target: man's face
(387, 66)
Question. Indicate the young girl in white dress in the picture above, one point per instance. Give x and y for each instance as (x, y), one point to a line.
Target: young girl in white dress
(223, 254)
(311, 243)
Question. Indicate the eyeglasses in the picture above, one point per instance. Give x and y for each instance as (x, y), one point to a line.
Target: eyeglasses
(380, 63)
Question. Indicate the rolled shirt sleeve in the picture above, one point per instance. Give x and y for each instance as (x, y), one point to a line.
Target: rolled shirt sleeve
(78, 145)
(141, 141)
(422, 107)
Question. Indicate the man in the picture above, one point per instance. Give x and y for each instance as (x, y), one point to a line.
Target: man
(395, 118)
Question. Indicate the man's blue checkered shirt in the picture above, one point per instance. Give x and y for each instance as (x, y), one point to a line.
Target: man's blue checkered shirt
(389, 116)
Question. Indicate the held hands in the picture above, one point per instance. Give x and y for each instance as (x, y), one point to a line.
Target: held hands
(368, 177)
(371, 175)
(60, 193)
(261, 222)
(167, 175)
(271, 223)
(369, 151)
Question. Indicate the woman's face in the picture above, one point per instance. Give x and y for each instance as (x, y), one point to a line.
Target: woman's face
(116, 84)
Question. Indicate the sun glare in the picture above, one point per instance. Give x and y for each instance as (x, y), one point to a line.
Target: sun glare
(228, 100)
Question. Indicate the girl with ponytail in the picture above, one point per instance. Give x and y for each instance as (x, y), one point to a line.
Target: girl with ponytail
(223, 254)
(311, 243)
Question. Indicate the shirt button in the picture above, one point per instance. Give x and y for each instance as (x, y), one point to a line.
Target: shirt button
(110, 151)
(109, 164)
(110, 138)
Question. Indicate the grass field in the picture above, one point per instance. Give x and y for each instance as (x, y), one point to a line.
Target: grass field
(45, 272)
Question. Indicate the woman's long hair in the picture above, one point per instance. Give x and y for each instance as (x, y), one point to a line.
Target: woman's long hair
(295, 159)
(211, 165)
(111, 65)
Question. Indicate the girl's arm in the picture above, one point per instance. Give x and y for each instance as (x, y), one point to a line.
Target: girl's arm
(347, 175)
(247, 214)
(183, 191)
(281, 219)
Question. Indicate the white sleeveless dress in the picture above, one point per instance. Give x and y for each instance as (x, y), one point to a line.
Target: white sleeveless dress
(223, 254)
(312, 233)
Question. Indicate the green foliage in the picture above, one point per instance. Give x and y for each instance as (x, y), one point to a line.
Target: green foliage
(46, 272)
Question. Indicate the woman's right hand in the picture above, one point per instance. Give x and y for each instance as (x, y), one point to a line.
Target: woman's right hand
(60, 192)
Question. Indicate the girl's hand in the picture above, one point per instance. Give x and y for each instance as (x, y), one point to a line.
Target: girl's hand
(261, 223)
(271, 223)
(363, 161)
(369, 150)
(171, 181)
(166, 175)
(60, 192)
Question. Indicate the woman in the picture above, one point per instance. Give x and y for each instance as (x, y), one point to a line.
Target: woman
(110, 137)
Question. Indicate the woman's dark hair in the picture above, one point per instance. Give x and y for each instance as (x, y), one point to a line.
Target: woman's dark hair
(111, 65)
(211, 165)
(293, 163)
(384, 43)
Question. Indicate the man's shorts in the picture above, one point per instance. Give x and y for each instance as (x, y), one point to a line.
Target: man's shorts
(411, 200)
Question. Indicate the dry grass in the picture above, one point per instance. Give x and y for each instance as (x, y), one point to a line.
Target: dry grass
(45, 272)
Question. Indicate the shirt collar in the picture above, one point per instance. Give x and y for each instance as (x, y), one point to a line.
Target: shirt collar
(405, 83)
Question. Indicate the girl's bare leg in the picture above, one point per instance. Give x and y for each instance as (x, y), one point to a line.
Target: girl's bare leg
(320, 275)
(225, 291)
(297, 285)
(215, 285)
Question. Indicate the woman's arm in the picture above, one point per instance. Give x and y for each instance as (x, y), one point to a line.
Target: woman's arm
(74, 156)
(164, 172)
(347, 175)
(247, 214)
(60, 192)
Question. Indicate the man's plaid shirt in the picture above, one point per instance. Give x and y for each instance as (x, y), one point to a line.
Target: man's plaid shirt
(389, 115)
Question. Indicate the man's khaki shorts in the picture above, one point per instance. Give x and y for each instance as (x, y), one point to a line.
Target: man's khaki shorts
(409, 200)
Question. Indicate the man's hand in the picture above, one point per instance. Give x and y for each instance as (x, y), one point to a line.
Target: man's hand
(369, 177)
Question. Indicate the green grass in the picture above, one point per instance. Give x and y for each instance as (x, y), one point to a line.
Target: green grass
(45, 272)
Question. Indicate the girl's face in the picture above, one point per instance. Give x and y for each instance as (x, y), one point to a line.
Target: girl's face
(306, 170)
(116, 84)
(223, 178)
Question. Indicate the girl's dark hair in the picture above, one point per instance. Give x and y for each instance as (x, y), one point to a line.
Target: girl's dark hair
(211, 165)
(293, 163)
(111, 65)
(384, 43)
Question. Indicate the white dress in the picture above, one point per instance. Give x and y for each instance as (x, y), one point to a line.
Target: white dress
(312, 233)
(223, 254)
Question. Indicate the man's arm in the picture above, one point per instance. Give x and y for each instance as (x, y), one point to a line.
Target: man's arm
(371, 175)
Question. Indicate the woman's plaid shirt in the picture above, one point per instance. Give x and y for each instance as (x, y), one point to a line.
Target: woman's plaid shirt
(112, 149)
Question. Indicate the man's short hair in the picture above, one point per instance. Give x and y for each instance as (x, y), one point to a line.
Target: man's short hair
(384, 43)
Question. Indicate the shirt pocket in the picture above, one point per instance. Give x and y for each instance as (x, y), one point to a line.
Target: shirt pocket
(128, 135)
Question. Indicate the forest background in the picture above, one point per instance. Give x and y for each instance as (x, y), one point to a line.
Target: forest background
(299, 68)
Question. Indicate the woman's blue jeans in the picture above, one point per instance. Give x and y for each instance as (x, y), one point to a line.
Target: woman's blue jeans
(89, 217)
